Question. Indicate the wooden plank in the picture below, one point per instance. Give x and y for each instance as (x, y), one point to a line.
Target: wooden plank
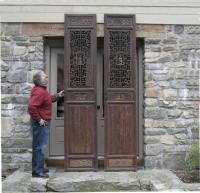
(57, 29)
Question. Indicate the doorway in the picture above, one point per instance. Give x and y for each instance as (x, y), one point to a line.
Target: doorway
(94, 92)
(54, 50)
(55, 69)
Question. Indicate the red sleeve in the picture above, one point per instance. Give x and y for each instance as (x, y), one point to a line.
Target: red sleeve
(53, 98)
(34, 102)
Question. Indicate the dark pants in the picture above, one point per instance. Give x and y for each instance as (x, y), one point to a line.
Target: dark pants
(39, 144)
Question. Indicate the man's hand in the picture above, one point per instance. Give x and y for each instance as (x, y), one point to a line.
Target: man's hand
(61, 93)
(42, 122)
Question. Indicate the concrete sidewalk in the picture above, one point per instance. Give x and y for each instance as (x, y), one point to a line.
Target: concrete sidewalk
(60, 181)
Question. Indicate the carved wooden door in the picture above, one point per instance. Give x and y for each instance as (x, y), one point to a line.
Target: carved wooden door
(80, 92)
(120, 92)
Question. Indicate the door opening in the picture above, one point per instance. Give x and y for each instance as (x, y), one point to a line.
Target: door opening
(55, 60)
(100, 99)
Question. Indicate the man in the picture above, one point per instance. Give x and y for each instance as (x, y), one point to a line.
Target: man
(39, 108)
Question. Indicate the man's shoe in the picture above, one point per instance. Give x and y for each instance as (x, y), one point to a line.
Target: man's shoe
(46, 170)
(40, 175)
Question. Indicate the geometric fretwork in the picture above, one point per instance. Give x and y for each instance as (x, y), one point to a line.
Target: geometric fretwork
(80, 58)
(120, 59)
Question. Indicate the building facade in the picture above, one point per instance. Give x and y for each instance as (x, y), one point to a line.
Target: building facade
(130, 70)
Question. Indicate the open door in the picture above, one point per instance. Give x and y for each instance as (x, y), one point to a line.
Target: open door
(80, 93)
(120, 92)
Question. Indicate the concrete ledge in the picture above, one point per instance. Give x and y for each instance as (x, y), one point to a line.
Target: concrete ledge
(59, 181)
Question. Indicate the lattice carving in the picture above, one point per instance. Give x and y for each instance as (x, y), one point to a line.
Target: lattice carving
(80, 163)
(120, 162)
(80, 21)
(120, 59)
(112, 21)
(80, 58)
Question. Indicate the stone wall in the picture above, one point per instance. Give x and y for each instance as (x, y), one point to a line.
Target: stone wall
(21, 56)
(171, 96)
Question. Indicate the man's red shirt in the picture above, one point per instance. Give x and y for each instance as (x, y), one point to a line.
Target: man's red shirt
(40, 104)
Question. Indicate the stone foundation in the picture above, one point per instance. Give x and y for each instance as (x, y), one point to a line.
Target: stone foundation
(171, 71)
(171, 93)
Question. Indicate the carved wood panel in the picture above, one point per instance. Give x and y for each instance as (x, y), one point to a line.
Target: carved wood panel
(80, 92)
(120, 92)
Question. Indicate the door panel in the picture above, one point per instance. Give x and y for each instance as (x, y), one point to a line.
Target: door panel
(80, 92)
(57, 84)
(120, 92)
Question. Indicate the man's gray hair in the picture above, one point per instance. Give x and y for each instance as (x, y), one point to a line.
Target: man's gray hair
(37, 78)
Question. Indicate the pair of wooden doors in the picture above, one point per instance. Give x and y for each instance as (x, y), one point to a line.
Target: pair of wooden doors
(120, 92)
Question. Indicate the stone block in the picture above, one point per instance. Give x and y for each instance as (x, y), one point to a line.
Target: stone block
(151, 102)
(6, 127)
(190, 114)
(37, 65)
(153, 149)
(178, 84)
(175, 148)
(12, 29)
(170, 41)
(154, 66)
(181, 136)
(155, 48)
(168, 123)
(7, 88)
(21, 98)
(19, 50)
(6, 49)
(164, 84)
(23, 119)
(172, 131)
(168, 93)
(152, 41)
(16, 142)
(6, 98)
(154, 131)
(168, 104)
(174, 161)
(189, 43)
(148, 122)
(177, 65)
(153, 162)
(165, 59)
(189, 93)
(18, 72)
(24, 88)
(179, 29)
(22, 158)
(152, 92)
(152, 54)
(155, 113)
(188, 105)
(4, 66)
(184, 123)
(192, 29)
(152, 139)
(160, 77)
(175, 113)
(168, 139)
(168, 49)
